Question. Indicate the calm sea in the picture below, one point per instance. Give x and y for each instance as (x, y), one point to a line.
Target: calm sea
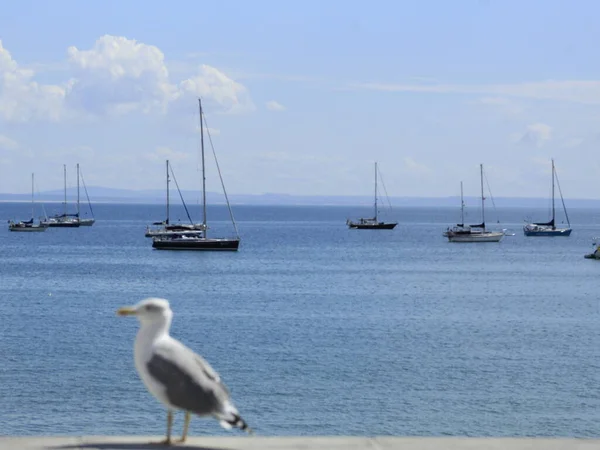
(316, 329)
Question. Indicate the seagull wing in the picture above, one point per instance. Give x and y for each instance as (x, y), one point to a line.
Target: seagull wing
(189, 380)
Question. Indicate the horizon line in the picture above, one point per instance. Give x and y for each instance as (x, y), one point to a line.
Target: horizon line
(122, 193)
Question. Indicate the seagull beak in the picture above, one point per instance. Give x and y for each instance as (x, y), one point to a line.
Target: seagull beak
(126, 311)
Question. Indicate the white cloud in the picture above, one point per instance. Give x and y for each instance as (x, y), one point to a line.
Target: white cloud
(21, 98)
(275, 106)
(7, 143)
(537, 134)
(216, 87)
(578, 91)
(116, 76)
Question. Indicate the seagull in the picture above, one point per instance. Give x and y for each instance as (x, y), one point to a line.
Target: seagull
(179, 378)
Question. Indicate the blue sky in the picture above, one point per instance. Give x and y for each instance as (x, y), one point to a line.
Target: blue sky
(302, 97)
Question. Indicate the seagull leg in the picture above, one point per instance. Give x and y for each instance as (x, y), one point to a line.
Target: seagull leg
(167, 441)
(186, 426)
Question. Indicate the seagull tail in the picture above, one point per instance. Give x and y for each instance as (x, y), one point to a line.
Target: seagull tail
(234, 420)
(237, 422)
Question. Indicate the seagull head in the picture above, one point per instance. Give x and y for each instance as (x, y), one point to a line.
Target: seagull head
(150, 310)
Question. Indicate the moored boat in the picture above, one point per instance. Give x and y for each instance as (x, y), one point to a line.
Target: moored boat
(473, 233)
(165, 227)
(549, 228)
(186, 242)
(371, 223)
(194, 236)
(63, 220)
(28, 226)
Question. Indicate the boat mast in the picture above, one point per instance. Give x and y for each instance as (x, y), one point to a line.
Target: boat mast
(32, 203)
(560, 192)
(87, 195)
(168, 192)
(65, 183)
(553, 209)
(78, 191)
(482, 198)
(203, 169)
(462, 206)
(375, 190)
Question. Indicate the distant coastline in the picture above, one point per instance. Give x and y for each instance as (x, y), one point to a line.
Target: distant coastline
(108, 195)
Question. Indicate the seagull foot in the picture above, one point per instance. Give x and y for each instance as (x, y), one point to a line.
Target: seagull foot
(181, 441)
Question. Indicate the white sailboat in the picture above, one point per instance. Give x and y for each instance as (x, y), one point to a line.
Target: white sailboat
(549, 228)
(462, 233)
(166, 228)
(29, 225)
(459, 227)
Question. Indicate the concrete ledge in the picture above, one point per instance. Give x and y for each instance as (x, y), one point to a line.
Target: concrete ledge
(296, 443)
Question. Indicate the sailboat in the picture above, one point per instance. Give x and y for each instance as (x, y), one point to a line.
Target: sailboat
(179, 241)
(29, 225)
(462, 233)
(371, 223)
(549, 228)
(460, 228)
(88, 221)
(166, 228)
(64, 220)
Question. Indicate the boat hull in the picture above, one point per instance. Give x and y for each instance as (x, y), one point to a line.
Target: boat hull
(63, 224)
(550, 232)
(33, 229)
(476, 237)
(375, 226)
(200, 244)
(87, 222)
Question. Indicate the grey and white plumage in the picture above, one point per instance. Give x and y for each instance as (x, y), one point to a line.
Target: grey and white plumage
(173, 373)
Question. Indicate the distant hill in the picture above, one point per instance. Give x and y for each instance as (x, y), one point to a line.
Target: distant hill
(110, 195)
